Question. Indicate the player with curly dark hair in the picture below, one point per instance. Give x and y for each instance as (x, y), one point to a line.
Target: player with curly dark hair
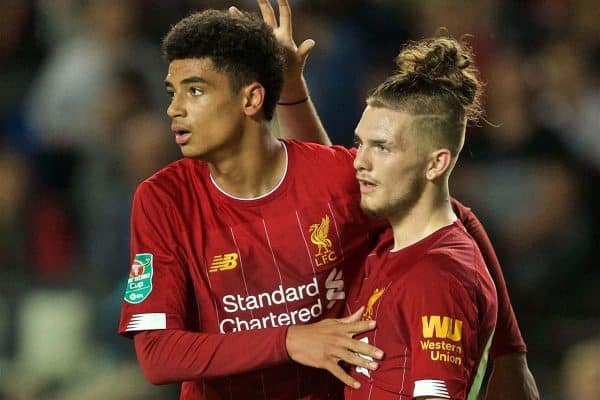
(243, 48)
(241, 249)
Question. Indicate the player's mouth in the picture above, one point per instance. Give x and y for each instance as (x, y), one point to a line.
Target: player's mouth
(366, 185)
(182, 135)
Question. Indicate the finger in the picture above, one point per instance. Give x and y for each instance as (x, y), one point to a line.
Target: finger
(358, 360)
(305, 48)
(339, 373)
(285, 16)
(354, 328)
(360, 347)
(354, 317)
(235, 12)
(364, 349)
(268, 13)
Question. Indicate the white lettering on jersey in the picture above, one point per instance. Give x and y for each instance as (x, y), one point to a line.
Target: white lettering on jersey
(303, 315)
(334, 285)
(235, 303)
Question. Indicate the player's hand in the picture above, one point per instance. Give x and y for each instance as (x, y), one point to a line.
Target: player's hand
(511, 379)
(295, 57)
(324, 344)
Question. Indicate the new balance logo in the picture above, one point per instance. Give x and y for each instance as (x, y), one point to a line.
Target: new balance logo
(224, 262)
(443, 327)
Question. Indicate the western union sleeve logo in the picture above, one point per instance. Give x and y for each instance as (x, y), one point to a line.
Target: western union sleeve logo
(442, 327)
(319, 236)
(224, 262)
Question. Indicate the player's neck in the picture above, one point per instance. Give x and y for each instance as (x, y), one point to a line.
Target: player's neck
(430, 213)
(253, 166)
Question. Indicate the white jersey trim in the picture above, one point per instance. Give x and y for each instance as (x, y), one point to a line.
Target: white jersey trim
(147, 322)
(431, 387)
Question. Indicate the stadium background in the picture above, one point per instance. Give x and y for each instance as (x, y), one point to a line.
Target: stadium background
(82, 121)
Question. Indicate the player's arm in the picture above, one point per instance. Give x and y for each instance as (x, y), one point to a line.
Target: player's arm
(175, 355)
(172, 355)
(450, 320)
(510, 377)
(296, 112)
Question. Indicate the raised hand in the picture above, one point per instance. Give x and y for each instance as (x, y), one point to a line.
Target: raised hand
(295, 56)
(324, 344)
(300, 121)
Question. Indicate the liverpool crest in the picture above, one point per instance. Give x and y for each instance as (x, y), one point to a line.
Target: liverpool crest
(319, 236)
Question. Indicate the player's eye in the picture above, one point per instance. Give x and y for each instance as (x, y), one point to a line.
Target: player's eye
(170, 94)
(196, 91)
(381, 147)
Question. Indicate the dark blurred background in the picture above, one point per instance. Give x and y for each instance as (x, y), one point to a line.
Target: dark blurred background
(82, 121)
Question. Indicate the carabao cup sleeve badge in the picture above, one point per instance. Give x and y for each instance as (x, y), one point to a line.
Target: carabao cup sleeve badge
(139, 284)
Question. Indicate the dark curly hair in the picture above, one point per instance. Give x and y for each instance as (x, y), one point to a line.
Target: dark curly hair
(243, 47)
(436, 80)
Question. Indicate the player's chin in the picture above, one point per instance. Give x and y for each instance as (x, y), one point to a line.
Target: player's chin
(190, 151)
(368, 207)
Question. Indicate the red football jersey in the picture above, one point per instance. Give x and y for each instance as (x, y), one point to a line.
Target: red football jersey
(435, 305)
(205, 261)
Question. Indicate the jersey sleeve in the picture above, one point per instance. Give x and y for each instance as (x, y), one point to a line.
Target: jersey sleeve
(174, 356)
(508, 338)
(445, 328)
(157, 294)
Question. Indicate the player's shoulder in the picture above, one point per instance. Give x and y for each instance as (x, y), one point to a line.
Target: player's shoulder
(454, 243)
(455, 254)
(322, 153)
(329, 167)
(169, 181)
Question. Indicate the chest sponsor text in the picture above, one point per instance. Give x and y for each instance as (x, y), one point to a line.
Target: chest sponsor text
(288, 296)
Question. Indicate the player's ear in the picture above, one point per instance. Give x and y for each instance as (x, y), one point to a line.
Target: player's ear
(439, 162)
(253, 98)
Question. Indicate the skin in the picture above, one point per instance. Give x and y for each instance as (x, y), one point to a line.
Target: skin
(203, 104)
(401, 179)
(383, 160)
(223, 128)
